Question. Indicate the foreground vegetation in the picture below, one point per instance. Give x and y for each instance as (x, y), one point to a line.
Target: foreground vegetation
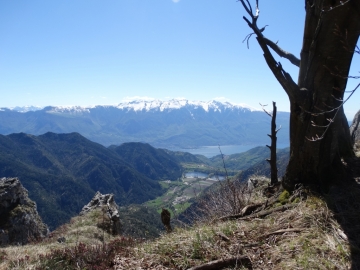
(309, 233)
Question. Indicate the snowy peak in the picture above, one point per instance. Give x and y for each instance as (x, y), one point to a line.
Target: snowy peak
(26, 109)
(173, 104)
(73, 110)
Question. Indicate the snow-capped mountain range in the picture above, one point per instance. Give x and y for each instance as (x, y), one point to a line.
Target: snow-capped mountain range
(172, 123)
(145, 105)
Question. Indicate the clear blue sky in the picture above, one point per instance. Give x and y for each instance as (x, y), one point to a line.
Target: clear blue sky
(88, 52)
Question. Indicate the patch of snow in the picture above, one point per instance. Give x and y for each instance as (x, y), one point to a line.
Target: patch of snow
(25, 109)
(75, 110)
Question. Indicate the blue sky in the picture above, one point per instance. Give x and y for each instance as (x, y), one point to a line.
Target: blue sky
(88, 52)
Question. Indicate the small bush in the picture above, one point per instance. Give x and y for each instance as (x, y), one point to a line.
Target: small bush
(284, 197)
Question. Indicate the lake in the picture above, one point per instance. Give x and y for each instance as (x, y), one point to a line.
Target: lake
(202, 176)
(211, 151)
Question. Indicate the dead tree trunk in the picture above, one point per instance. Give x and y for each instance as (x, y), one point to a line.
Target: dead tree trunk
(272, 147)
(319, 133)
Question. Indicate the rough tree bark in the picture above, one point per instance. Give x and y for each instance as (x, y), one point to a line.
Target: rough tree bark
(319, 133)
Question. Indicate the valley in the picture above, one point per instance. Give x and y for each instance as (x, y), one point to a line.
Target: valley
(179, 194)
(199, 176)
(62, 172)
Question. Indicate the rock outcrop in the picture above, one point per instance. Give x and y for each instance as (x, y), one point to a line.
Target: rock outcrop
(20, 222)
(111, 218)
(355, 128)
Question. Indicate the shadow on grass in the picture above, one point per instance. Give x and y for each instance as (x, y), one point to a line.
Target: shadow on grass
(344, 201)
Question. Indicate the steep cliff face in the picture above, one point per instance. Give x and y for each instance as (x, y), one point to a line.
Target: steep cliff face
(355, 128)
(20, 222)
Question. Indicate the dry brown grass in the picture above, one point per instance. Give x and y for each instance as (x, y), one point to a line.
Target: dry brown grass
(305, 237)
(81, 229)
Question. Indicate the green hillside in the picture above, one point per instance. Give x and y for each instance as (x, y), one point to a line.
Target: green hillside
(63, 171)
(156, 164)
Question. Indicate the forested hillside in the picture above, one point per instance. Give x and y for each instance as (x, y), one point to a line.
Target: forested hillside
(63, 171)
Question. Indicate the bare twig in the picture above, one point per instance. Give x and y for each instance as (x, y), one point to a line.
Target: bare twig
(218, 264)
(283, 231)
(223, 236)
(260, 214)
(330, 120)
(332, 8)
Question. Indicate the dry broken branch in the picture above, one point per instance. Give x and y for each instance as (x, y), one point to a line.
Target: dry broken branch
(265, 213)
(283, 231)
(218, 264)
(260, 214)
(223, 236)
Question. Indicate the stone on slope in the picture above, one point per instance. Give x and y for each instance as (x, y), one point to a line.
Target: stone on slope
(20, 222)
(106, 203)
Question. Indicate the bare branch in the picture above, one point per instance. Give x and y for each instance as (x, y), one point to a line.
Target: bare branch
(290, 87)
(268, 113)
(334, 108)
(257, 9)
(331, 8)
(222, 263)
(283, 231)
(284, 78)
(292, 58)
(247, 7)
(247, 39)
(337, 73)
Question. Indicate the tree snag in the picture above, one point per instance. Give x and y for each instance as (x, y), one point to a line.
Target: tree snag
(331, 32)
(272, 160)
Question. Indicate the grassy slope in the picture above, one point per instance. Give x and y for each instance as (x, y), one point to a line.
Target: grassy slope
(317, 237)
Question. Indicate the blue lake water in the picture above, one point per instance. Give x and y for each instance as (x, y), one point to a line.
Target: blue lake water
(196, 175)
(203, 175)
(211, 151)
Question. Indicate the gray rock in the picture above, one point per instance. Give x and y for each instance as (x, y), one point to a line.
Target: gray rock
(355, 128)
(107, 204)
(20, 222)
(252, 183)
(61, 239)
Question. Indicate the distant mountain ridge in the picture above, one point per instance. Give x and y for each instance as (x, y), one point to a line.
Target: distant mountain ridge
(143, 104)
(174, 123)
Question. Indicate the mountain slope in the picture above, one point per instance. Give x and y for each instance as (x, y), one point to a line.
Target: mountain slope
(179, 123)
(63, 171)
(154, 163)
(243, 160)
